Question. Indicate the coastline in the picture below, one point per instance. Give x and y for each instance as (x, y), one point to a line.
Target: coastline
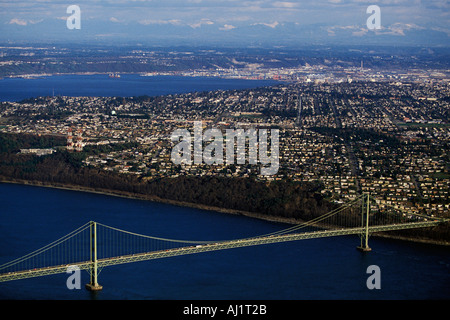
(129, 195)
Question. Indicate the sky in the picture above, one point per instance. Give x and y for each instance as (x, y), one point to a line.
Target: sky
(248, 22)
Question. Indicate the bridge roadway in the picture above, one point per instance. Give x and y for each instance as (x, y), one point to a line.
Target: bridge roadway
(213, 246)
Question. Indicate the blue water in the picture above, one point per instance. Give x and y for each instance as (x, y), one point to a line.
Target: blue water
(328, 268)
(128, 85)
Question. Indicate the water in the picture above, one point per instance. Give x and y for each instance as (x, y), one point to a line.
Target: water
(16, 89)
(328, 268)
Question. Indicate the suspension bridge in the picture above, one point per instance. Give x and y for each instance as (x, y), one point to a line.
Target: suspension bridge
(94, 245)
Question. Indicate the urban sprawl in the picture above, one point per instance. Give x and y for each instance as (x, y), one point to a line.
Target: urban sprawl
(387, 134)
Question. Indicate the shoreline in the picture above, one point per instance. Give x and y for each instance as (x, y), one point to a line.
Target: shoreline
(128, 195)
(142, 74)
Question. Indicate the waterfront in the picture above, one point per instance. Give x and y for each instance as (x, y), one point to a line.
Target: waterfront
(329, 268)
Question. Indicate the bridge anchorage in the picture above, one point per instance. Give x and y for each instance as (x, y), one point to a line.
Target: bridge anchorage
(94, 245)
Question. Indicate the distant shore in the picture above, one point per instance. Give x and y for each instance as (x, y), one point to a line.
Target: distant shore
(129, 195)
(143, 74)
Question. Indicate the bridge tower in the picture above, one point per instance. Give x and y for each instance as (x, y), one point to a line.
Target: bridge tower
(365, 210)
(93, 284)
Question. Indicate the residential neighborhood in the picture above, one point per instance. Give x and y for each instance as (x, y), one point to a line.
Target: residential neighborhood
(387, 138)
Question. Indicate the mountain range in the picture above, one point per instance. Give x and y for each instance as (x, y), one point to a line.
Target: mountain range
(207, 32)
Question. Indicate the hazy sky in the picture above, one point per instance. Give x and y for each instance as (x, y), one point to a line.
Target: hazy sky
(97, 16)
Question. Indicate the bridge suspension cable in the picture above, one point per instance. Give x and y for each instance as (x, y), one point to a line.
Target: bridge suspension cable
(111, 248)
(315, 220)
(46, 248)
(280, 232)
(152, 237)
(406, 213)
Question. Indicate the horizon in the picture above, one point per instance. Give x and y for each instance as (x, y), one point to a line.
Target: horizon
(227, 23)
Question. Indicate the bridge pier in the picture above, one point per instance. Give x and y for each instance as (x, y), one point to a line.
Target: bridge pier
(94, 288)
(362, 249)
(93, 285)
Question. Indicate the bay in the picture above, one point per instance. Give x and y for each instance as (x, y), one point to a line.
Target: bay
(128, 85)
